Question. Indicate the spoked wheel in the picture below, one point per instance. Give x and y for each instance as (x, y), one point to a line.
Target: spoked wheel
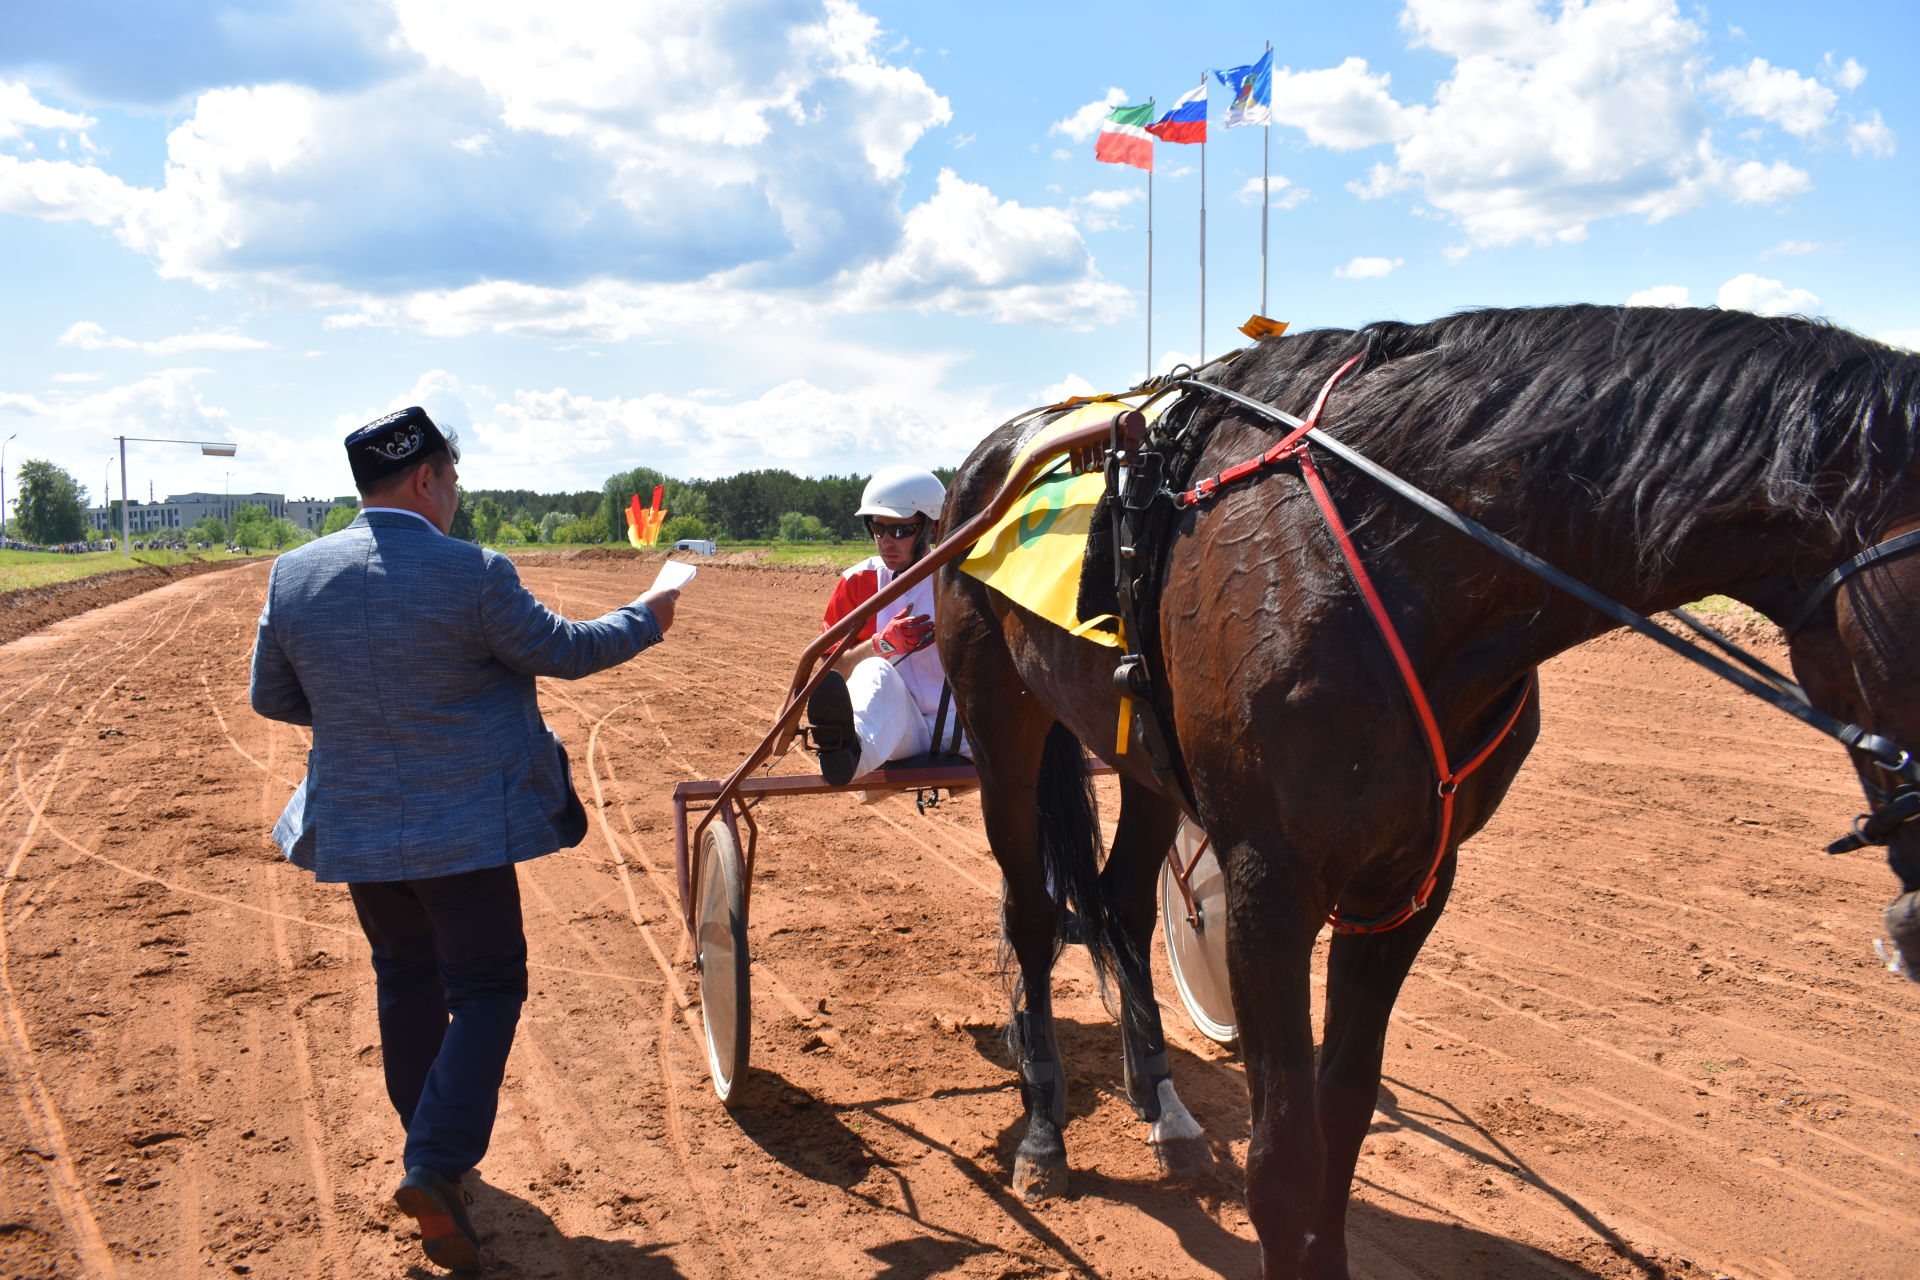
(1198, 956)
(725, 999)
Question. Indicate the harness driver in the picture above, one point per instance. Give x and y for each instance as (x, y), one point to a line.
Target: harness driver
(886, 697)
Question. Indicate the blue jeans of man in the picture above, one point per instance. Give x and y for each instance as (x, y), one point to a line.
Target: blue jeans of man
(450, 970)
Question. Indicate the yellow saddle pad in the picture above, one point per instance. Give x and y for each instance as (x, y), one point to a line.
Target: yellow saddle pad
(1033, 555)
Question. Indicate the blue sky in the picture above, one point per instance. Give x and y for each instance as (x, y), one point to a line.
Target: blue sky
(828, 235)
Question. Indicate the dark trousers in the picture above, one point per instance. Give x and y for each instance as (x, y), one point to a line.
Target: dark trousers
(450, 966)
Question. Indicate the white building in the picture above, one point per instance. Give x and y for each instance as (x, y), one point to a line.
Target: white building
(182, 511)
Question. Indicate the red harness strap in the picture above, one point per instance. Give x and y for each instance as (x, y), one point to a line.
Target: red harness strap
(1293, 447)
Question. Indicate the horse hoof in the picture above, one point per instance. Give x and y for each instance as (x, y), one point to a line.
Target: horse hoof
(1183, 1159)
(1036, 1179)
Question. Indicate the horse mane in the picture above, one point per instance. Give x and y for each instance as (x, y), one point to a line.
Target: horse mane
(1653, 415)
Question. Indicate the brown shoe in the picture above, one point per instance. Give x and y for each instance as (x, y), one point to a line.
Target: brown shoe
(440, 1206)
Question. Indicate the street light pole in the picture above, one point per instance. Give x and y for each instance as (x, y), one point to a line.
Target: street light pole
(211, 448)
(3, 487)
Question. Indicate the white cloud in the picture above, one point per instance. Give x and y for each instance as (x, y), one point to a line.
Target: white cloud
(1100, 210)
(1511, 29)
(1756, 183)
(21, 111)
(1168, 361)
(1849, 75)
(77, 433)
(1660, 295)
(567, 172)
(80, 377)
(1085, 122)
(1281, 193)
(1559, 116)
(1368, 268)
(62, 191)
(1870, 136)
(1750, 292)
(89, 336)
(562, 434)
(1342, 107)
(1068, 387)
(963, 251)
(1792, 249)
(1906, 339)
(543, 146)
(968, 252)
(1799, 104)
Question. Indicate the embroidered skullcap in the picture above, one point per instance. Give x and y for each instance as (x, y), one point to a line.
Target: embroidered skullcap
(395, 443)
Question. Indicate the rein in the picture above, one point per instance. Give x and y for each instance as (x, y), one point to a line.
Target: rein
(1759, 679)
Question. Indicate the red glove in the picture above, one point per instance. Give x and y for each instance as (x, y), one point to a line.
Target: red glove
(907, 633)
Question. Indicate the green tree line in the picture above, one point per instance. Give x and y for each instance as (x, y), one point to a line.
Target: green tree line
(753, 506)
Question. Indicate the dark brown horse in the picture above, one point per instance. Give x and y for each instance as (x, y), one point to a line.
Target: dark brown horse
(1659, 455)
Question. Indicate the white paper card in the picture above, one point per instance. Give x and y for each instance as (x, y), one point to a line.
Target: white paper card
(674, 574)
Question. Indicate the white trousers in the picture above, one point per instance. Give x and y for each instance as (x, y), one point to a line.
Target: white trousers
(888, 721)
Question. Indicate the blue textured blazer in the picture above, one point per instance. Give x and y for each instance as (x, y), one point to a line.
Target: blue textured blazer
(413, 657)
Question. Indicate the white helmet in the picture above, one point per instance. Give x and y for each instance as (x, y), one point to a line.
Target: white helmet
(898, 492)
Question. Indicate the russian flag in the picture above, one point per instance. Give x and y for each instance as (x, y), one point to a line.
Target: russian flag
(1187, 121)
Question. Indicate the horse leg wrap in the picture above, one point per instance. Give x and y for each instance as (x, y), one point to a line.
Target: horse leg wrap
(1046, 1088)
(1902, 919)
(1143, 1081)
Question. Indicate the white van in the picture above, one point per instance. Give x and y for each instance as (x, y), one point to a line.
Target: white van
(705, 546)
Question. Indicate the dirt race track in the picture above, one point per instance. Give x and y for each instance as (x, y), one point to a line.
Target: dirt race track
(1649, 1038)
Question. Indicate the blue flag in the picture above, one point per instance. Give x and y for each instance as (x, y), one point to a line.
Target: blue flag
(1252, 90)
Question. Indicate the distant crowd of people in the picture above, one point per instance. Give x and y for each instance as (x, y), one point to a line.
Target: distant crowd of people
(178, 544)
(64, 548)
(112, 544)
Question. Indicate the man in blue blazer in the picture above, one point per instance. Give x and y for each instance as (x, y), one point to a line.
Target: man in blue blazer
(413, 655)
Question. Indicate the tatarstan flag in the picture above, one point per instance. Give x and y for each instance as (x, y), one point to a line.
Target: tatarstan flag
(1124, 139)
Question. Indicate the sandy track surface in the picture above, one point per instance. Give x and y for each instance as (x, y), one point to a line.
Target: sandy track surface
(1648, 1039)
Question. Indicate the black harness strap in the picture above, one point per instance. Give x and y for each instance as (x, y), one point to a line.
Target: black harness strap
(1886, 754)
(940, 723)
(1872, 555)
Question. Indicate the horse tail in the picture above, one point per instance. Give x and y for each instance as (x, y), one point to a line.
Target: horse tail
(1070, 851)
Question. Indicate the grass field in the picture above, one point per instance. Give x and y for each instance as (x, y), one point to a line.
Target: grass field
(19, 569)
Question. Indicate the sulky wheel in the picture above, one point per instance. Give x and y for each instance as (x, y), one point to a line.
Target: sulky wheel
(725, 999)
(1198, 957)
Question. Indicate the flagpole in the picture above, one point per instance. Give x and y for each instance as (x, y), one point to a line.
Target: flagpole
(1201, 356)
(1149, 372)
(1266, 148)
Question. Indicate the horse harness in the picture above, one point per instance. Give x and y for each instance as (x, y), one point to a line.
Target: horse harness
(1137, 468)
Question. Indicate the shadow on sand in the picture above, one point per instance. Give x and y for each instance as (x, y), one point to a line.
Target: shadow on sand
(519, 1241)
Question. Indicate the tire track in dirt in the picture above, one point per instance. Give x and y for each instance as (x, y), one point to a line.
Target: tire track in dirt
(675, 998)
(314, 1114)
(39, 1109)
(720, 1227)
(800, 1009)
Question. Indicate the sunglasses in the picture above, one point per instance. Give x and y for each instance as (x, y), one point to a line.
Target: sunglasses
(909, 530)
